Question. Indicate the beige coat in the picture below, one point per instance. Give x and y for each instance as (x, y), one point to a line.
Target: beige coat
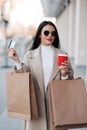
(33, 61)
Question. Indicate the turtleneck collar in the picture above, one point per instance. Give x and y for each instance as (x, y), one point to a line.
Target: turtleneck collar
(46, 47)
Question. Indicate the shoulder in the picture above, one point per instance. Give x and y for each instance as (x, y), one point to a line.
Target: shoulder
(32, 52)
(59, 51)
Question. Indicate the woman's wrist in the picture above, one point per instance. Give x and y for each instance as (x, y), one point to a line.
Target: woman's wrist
(18, 65)
(64, 74)
(17, 61)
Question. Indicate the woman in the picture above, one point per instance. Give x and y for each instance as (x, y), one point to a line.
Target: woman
(41, 60)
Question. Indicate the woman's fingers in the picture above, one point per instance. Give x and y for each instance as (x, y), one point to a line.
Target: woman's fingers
(13, 54)
(64, 68)
(65, 63)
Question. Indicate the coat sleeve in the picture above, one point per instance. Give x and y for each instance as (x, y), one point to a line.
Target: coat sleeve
(25, 65)
(70, 71)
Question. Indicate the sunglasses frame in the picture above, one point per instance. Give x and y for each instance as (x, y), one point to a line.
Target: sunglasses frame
(46, 33)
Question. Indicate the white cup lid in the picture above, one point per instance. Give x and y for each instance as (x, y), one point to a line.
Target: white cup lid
(62, 55)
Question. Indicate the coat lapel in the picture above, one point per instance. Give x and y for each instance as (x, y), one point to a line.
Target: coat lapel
(36, 66)
(55, 70)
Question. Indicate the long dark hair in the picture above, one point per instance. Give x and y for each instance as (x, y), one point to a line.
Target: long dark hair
(37, 39)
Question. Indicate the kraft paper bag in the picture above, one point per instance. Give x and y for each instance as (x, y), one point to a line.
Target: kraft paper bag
(21, 98)
(67, 104)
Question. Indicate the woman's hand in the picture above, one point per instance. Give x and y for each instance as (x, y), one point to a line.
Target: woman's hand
(13, 54)
(64, 69)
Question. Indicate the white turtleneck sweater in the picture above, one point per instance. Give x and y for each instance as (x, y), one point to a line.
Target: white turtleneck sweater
(47, 62)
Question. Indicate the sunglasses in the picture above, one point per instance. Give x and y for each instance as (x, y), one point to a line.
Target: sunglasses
(53, 33)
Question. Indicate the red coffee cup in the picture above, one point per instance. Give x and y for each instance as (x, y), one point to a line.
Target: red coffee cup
(62, 58)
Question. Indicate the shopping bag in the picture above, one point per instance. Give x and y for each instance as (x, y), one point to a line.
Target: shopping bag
(21, 98)
(67, 104)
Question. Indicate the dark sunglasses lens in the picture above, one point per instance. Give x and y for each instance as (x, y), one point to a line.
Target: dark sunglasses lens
(53, 33)
(46, 33)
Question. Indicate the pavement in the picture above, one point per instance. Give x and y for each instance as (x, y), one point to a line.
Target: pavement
(7, 123)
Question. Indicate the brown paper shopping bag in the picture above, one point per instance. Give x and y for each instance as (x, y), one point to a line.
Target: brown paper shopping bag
(21, 99)
(67, 101)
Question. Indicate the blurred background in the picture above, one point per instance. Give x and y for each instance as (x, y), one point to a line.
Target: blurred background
(19, 20)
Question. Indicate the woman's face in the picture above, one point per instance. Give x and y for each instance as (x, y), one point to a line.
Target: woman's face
(47, 35)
